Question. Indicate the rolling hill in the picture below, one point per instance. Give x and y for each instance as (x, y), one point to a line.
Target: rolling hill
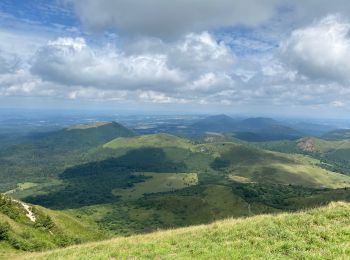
(312, 129)
(250, 129)
(40, 158)
(333, 154)
(163, 181)
(269, 237)
(139, 184)
(217, 123)
(84, 135)
(264, 129)
(155, 141)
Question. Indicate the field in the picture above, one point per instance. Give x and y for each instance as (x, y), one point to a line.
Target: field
(157, 182)
(270, 237)
(157, 140)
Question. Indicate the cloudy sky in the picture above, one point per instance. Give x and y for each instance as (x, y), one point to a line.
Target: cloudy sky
(235, 56)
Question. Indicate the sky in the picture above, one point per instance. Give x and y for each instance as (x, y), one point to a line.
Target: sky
(283, 57)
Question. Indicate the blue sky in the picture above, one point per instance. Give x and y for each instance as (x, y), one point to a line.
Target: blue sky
(258, 57)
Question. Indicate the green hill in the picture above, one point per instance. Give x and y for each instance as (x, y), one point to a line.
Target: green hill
(217, 123)
(322, 233)
(160, 181)
(250, 129)
(247, 164)
(155, 141)
(39, 159)
(33, 228)
(87, 135)
(134, 185)
(333, 154)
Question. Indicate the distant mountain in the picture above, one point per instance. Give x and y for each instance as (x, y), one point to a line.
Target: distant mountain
(217, 123)
(257, 123)
(340, 134)
(251, 129)
(84, 135)
(265, 129)
(312, 129)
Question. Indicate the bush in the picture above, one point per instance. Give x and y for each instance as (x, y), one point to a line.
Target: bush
(44, 222)
(4, 230)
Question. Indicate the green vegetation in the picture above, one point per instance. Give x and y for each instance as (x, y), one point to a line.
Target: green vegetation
(327, 236)
(334, 155)
(40, 159)
(255, 165)
(48, 229)
(120, 184)
(157, 182)
(155, 141)
(22, 186)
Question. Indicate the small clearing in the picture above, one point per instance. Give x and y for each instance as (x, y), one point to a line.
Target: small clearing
(157, 182)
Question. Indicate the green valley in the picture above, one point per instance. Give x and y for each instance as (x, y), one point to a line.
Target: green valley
(118, 183)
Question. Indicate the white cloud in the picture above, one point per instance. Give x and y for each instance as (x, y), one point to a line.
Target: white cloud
(21, 83)
(158, 97)
(320, 51)
(211, 83)
(338, 103)
(239, 66)
(200, 53)
(164, 67)
(72, 62)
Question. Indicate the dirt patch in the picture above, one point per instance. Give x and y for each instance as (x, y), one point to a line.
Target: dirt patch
(307, 145)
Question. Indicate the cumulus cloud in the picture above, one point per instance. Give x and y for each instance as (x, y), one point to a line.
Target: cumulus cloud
(22, 83)
(71, 61)
(238, 66)
(320, 51)
(200, 52)
(171, 18)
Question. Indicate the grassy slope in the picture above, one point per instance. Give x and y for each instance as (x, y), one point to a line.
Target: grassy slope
(334, 153)
(322, 233)
(256, 165)
(221, 192)
(156, 140)
(242, 161)
(52, 229)
(217, 195)
(157, 182)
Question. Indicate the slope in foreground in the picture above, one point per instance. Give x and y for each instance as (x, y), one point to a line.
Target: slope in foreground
(322, 233)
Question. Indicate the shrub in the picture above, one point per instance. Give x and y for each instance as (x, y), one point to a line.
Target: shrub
(44, 222)
(4, 230)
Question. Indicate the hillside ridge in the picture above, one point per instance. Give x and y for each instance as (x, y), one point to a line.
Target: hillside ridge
(266, 236)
